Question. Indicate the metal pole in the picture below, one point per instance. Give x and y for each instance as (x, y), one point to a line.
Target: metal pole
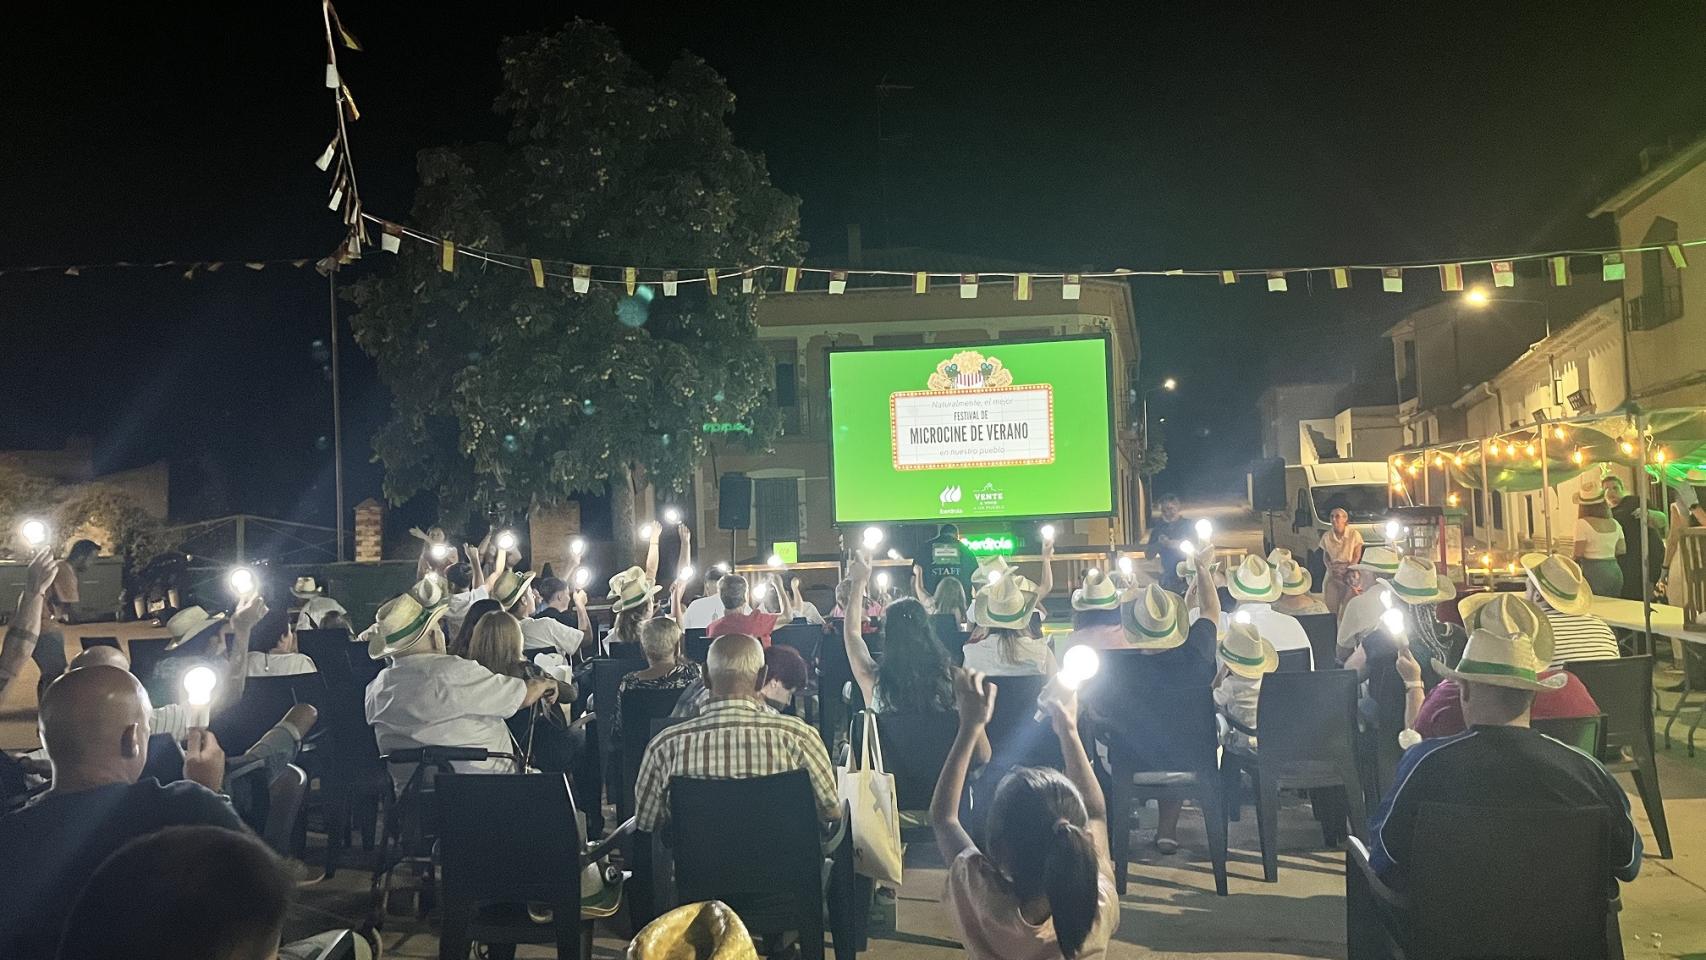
(337, 411)
(1487, 506)
(1142, 493)
(1646, 558)
(1427, 476)
(1546, 486)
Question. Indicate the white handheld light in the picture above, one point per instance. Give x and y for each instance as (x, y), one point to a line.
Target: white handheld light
(1205, 530)
(439, 551)
(577, 547)
(672, 515)
(872, 537)
(34, 532)
(1048, 532)
(198, 694)
(583, 576)
(506, 541)
(242, 582)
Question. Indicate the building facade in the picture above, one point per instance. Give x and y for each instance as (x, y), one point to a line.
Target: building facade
(791, 496)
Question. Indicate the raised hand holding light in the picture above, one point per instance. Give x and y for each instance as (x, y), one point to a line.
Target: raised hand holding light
(506, 541)
(198, 694)
(872, 537)
(577, 547)
(1080, 663)
(243, 582)
(34, 532)
(1047, 531)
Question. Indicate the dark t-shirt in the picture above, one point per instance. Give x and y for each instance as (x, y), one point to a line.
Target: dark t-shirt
(1176, 530)
(1190, 664)
(51, 847)
(943, 557)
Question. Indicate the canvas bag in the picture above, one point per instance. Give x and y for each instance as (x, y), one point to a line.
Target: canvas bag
(875, 818)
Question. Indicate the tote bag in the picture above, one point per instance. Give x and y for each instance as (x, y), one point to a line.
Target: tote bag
(869, 793)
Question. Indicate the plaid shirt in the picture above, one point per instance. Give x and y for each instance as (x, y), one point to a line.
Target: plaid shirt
(731, 740)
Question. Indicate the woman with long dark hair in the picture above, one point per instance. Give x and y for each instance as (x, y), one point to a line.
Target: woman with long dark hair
(1042, 886)
(914, 675)
(464, 635)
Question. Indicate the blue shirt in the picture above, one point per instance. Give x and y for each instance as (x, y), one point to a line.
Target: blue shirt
(1498, 767)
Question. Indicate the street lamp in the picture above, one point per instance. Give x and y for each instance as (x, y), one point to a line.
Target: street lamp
(1168, 384)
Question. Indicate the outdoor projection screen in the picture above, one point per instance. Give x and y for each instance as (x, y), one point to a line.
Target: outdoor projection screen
(948, 431)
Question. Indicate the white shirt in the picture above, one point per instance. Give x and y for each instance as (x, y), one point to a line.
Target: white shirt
(456, 608)
(544, 633)
(1280, 629)
(172, 718)
(258, 664)
(1034, 658)
(1598, 544)
(1237, 697)
(1361, 615)
(314, 610)
(806, 609)
(435, 699)
(701, 612)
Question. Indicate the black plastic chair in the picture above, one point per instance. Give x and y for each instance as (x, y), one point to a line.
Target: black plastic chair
(264, 703)
(1489, 882)
(352, 780)
(1623, 689)
(1323, 632)
(626, 650)
(640, 707)
(493, 866)
(1586, 734)
(695, 644)
(145, 654)
(835, 674)
(949, 634)
(804, 637)
(915, 746)
(1295, 661)
(1016, 737)
(99, 642)
(713, 834)
(607, 674)
(1162, 744)
(165, 759)
(329, 649)
(1307, 741)
(411, 827)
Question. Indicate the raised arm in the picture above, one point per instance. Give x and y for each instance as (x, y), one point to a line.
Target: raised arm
(1045, 586)
(249, 612)
(1208, 598)
(655, 531)
(1063, 715)
(25, 628)
(918, 587)
(583, 619)
(976, 699)
(853, 628)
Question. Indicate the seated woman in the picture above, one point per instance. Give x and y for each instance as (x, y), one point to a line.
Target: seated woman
(1295, 585)
(465, 633)
(1002, 645)
(666, 667)
(1096, 614)
(785, 673)
(1245, 657)
(948, 600)
(914, 676)
(542, 733)
(272, 649)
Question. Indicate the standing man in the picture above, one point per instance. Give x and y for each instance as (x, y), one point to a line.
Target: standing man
(1626, 510)
(1164, 539)
(947, 556)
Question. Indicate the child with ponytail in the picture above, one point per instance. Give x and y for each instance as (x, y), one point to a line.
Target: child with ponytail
(1043, 888)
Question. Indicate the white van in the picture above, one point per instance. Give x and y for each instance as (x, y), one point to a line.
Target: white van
(1314, 490)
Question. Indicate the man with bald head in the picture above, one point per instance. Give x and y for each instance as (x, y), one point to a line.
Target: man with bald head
(95, 723)
(734, 737)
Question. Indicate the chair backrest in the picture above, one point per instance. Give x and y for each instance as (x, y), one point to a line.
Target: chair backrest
(165, 759)
(145, 654)
(1294, 660)
(1160, 728)
(329, 649)
(626, 650)
(695, 644)
(1015, 735)
(504, 859)
(286, 793)
(1692, 591)
(804, 637)
(1504, 882)
(1323, 632)
(1586, 734)
(724, 852)
(949, 634)
(607, 673)
(1623, 688)
(915, 746)
(639, 706)
(1308, 715)
(100, 642)
(264, 703)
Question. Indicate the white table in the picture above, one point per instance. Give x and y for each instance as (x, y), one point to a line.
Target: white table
(1667, 619)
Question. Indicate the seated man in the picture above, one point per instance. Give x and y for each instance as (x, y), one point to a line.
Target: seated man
(1499, 761)
(272, 649)
(1361, 615)
(94, 722)
(739, 616)
(1558, 588)
(706, 608)
(734, 737)
(1256, 585)
(541, 634)
(429, 698)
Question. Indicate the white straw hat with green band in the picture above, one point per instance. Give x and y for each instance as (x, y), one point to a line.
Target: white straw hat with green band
(1097, 593)
(1245, 652)
(1378, 560)
(1154, 619)
(1501, 650)
(1294, 578)
(403, 621)
(509, 587)
(1418, 582)
(1005, 604)
(1252, 581)
(1559, 580)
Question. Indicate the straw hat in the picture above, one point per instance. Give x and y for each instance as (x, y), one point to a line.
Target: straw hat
(631, 588)
(1501, 650)
(1253, 581)
(1278, 554)
(306, 587)
(509, 587)
(1695, 477)
(1246, 653)
(189, 623)
(1005, 604)
(1154, 619)
(403, 621)
(1559, 581)
(1589, 495)
(1510, 616)
(1417, 582)
(995, 564)
(1097, 593)
(1378, 560)
(1294, 578)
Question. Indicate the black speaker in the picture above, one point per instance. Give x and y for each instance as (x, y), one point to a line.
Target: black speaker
(1267, 485)
(734, 501)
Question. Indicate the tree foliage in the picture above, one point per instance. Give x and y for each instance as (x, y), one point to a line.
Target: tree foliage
(505, 393)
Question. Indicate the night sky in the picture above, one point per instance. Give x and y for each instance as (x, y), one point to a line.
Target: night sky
(1118, 135)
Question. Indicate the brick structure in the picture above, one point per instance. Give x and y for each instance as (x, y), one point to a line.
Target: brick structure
(369, 531)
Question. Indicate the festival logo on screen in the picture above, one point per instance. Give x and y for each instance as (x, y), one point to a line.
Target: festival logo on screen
(972, 415)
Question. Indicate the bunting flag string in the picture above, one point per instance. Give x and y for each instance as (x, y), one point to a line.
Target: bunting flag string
(191, 268)
(337, 159)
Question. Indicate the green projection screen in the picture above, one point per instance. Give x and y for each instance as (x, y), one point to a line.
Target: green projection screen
(1009, 429)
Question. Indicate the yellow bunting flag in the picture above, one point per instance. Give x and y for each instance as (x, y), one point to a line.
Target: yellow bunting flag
(1611, 267)
(968, 286)
(1341, 278)
(746, 282)
(1022, 287)
(1276, 281)
(837, 281)
(711, 280)
(538, 268)
(920, 282)
(1504, 273)
(1228, 277)
(790, 279)
(581, 277)
(1392, 279)
(1451, 276)
(447, 256)
(671, 282)
(630, 278)
(349, 103)
(348, 38)
(1071, 286)
(1558, 271)
(1678, 258)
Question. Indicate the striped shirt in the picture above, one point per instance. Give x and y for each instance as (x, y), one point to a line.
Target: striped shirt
(1581, 637)
(731, 740)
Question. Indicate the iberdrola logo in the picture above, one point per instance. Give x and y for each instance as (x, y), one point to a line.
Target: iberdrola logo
(970, 370)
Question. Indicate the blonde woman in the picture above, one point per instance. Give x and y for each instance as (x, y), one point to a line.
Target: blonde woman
(541, 731)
